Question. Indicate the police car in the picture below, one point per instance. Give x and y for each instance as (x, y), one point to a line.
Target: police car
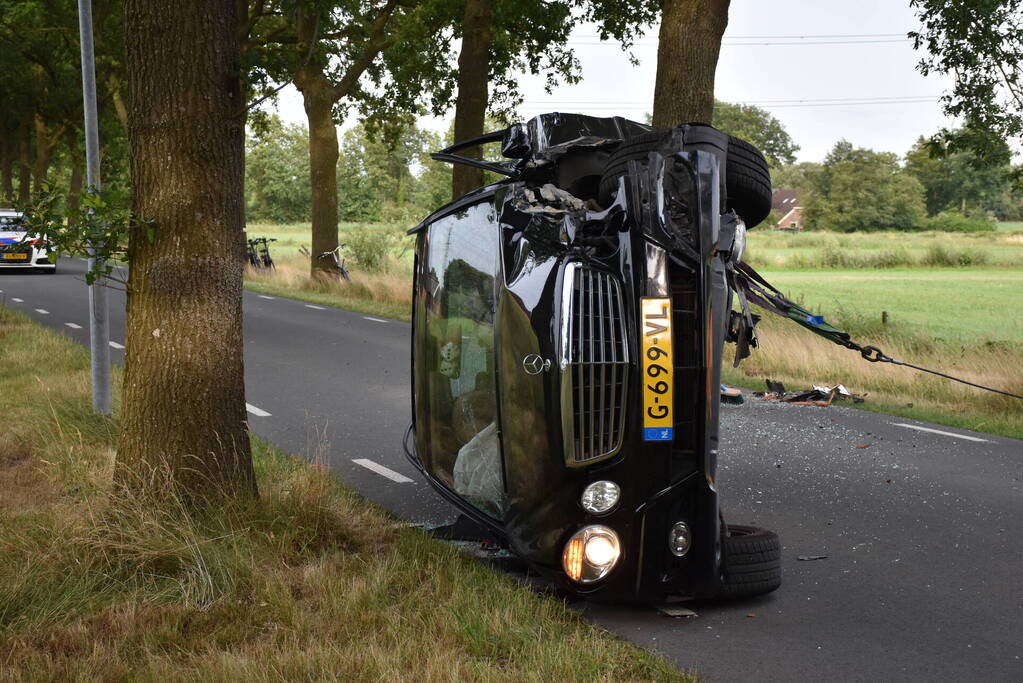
(19, 249)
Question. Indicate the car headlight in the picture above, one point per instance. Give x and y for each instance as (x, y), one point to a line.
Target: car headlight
(600, 497)
(680, 539)
(591, 554)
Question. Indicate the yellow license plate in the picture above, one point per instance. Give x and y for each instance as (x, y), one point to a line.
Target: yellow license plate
(657, 370)
(15, 257)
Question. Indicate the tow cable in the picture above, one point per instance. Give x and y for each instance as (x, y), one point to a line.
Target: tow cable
(750, 286)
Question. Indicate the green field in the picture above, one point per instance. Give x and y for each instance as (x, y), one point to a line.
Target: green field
(949, 304)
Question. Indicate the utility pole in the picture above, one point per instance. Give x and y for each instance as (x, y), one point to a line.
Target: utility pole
(99, 325)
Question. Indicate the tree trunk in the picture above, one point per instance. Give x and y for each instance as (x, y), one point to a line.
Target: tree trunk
(471, 104)
(318, 97)
(687, 56)
(7, 154)
(183, 412)
(114, 87)
(24, 163)
(74, 195)
(44, 155)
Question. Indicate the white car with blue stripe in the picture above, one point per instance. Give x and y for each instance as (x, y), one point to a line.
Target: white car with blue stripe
(19, 249)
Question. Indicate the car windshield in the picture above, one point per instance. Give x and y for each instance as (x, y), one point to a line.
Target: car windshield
(456, 311)
(12, 224)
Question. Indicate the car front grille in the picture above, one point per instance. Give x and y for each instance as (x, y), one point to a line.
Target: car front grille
(594, 364)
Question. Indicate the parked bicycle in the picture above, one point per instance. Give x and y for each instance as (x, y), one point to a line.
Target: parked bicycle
(339, 261)
(259, 253)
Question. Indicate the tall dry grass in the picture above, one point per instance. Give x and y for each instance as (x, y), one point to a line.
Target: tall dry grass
(800, 358)
(386, 291)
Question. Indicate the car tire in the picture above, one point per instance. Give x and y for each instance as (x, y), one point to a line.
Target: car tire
(752, 562)
(748, 179)
(747, 176)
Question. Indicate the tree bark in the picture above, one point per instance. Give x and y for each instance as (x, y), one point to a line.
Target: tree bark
(183, 414)
(472, 100)
(317, 97)
(24, 162)
(687, 56)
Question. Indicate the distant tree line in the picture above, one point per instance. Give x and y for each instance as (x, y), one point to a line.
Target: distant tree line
(856, 189)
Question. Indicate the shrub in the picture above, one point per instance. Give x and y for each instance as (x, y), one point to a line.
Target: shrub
(950, 221)
(370, 248)
(940, 255)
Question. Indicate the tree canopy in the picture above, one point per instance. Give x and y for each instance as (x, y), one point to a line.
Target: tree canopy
(860, 189)
(758, 126)
(980, 44)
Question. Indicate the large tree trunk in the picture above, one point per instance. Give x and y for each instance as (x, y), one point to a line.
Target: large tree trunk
(687, 56)
(184, 394)
(24, 162)
(318, 97)
(471, 104)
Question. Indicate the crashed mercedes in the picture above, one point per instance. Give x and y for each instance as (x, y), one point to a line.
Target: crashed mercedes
(567, 338)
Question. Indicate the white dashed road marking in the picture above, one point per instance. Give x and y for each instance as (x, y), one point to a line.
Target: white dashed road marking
(17, 300)
(264, 296)
(258, 412)
(318, 308)
(115, 345)
(382, 471)
(74, 326)
(42, 311)
(938, 431)
(376, 320)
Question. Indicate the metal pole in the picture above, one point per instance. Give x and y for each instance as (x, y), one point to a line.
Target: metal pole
(99, 325)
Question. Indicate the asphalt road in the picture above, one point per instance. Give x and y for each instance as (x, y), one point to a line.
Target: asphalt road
(919, 533)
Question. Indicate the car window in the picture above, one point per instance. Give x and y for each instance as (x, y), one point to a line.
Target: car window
(457, 401)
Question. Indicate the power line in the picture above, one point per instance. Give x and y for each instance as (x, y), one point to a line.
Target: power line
(793, 37)
(796, 105)
(807, 100)
(733, 43)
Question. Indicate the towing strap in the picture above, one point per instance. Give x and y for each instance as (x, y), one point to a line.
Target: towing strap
(750, 286)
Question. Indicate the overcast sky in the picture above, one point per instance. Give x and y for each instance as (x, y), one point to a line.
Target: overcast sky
(886, 104)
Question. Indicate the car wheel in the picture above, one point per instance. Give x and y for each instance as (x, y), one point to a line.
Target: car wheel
(747, 176)
(752, 562)
(748, 180)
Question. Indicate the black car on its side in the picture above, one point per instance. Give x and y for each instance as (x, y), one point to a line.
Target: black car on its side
(568, 327)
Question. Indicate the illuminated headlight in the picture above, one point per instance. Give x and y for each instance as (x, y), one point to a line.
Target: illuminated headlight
(591, 554)
(679, 539)
(600, 497)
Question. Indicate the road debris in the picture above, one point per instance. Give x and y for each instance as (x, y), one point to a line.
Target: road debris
(676, 611)
(731, 395)
(811, 558)
(819, 396)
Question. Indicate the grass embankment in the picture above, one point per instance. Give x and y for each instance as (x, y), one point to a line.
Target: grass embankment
(308, 582)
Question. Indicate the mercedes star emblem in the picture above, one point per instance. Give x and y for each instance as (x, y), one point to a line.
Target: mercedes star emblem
(534, 364)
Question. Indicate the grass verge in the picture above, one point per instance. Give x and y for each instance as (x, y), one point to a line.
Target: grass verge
(386, 292)
(308, 582)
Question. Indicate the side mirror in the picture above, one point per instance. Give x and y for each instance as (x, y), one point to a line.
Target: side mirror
(516, 142)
